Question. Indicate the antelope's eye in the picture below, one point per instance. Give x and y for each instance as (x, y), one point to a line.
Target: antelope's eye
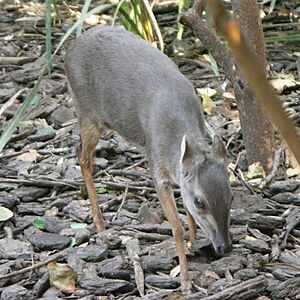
(199, 202)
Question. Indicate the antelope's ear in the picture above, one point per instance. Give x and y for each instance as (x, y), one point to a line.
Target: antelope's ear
(218, 147)
(189, 157)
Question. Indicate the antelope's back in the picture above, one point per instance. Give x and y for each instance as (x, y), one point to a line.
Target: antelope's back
(122, 81)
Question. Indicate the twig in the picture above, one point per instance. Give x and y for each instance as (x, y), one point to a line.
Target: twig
(122, 203)
(136, 164)
(276, 164)
(242, 181)
(11, 100)
(248, 289)
(44, 183)
(33, 267)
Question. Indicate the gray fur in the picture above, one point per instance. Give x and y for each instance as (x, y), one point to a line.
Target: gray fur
(122, 82)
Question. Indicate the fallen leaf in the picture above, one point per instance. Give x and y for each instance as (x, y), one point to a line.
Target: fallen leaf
(62, 276)
(255, 171)
(92, 20)
(207, 92)
(208, 104)
(5, 213)
(291, 172)
(229, 95)
(250, 238)
(281, 84)
(175, 271)
(78, 225)
(39, 223)
(31, 156)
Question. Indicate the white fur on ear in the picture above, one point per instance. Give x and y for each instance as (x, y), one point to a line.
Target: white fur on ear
(183, 148)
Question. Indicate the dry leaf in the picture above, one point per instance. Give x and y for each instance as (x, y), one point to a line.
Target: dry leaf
(5, 213)
(291, 172)
(175, 271)
(228, 95)
(206, 92)
(255, 171)
(250, 238)
(208, 104)
(280, 84)
(62, 276)
(30, 156)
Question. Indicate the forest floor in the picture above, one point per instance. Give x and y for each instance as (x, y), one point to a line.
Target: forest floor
(41, 182)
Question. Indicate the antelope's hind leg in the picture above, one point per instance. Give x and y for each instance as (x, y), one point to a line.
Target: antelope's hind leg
(89, 136)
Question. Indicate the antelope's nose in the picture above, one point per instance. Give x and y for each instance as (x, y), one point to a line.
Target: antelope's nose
(224, 248)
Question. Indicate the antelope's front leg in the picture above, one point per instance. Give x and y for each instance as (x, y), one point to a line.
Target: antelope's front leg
(166, 197)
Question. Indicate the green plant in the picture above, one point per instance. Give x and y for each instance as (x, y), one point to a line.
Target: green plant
(182, 5)
(137, 17)
(48, 22)
(33, 96)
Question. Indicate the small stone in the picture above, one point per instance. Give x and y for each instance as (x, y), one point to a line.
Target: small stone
(31, 208)
(156, 263)
(54, 224)
(79, 211)
(119, 274)
(31, 194)
(41, 285)
(289, 289)
(81, 235)
(232, 263)
(287, 198)
(256, 245)
(61, 115)
(147, 214)
(102, 163)
(43, 135)
(163, 282)
(282, 186)
(245, 274)
(8, 267)
(52, 293)
(206, 279)
(132, 205)
(92, 253)
(16, 292)
(221, 285)
(8, 200)
(14, 249)
(240, 216)
(46, 241)
(112, 264)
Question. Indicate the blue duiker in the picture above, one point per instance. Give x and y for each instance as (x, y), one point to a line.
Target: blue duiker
(121, 82)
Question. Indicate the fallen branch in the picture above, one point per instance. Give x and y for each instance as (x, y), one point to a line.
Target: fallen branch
(248, 289)
(33, 267)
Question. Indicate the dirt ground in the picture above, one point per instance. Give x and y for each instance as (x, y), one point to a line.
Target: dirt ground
(41, 182)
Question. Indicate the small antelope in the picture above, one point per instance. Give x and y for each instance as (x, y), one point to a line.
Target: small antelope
(121, 82)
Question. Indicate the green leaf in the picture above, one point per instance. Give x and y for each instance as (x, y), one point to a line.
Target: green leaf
(39, 223)
(56, 8)
(5, 213)
(72, 242)
(30, 99)
(102, 190)
(48, 34)
(78, 225)
(83, 15)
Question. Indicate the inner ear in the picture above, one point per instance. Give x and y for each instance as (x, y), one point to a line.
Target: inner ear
(189, 156)
(218, 147)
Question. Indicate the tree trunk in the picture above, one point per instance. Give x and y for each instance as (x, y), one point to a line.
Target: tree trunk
(258, 132)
